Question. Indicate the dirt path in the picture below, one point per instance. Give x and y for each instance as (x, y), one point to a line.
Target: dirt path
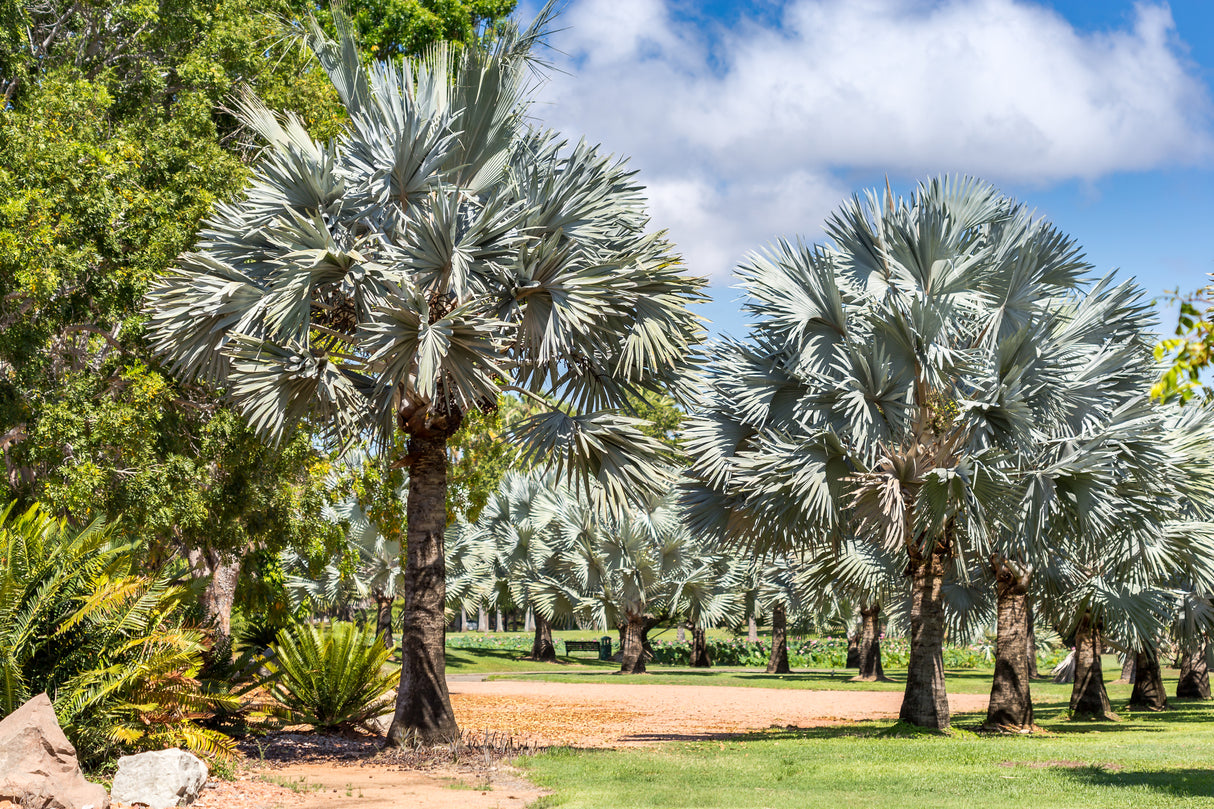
(625, 714)
(577, 714)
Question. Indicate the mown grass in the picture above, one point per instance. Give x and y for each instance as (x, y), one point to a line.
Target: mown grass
(1144, 761)
(476, 661)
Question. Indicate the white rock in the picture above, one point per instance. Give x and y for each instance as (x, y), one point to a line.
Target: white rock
(159, 780)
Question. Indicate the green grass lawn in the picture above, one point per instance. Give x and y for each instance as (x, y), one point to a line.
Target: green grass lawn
(1164, 760)
(475, 661)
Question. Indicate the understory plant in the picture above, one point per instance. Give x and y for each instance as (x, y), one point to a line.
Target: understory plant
(331, 678)
(80, 621)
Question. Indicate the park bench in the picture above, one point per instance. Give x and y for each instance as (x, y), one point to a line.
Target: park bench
(572, 646)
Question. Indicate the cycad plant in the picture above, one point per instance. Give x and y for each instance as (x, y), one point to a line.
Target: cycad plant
(332, 678)
(80, 620)
(439, 251)
(924, 381)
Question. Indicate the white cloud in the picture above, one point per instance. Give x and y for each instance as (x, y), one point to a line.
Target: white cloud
(744, 134)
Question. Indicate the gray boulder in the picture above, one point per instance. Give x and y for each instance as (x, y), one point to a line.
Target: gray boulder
(160, 780)
(38, 765)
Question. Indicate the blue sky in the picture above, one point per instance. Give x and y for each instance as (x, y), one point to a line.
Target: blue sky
(751, 120)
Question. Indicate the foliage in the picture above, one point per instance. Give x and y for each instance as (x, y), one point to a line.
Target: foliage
(331, 678)
(392, 28)
(81, 620)
(1189, 353)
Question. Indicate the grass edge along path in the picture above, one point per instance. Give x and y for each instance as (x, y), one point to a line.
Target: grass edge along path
(1145, 761)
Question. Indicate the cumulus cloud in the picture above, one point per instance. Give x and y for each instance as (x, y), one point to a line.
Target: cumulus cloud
(753, 131)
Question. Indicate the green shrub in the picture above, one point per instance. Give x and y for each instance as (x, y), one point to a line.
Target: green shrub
(80, 622)
(333, 678)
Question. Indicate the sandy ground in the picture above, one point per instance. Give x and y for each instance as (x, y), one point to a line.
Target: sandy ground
(575, 714)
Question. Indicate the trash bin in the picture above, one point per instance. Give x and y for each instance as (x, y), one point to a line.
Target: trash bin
(605, 648)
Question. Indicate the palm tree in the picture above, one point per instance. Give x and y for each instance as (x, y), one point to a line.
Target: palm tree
(903, 384)
(438, 252)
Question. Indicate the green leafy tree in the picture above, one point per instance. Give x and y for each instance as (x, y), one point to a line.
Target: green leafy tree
(401, 276)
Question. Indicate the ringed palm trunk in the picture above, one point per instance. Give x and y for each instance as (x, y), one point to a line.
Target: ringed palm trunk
(1148, 692)
(778, 664)
(632, 647)
(1194, 680)
(925, 702)
(1088, 696)
(868, 646)
(383, 619)
(699, 648)
(543, 649)
(423, 705)
(1011, 705)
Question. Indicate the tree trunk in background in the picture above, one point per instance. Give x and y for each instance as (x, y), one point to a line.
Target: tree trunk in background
(1148, 692)
(925, 702)
(1011, 705)
(482, 620)
(699, 648)
(501, 627)
(423, 705)
(868, 647)
(632, 645)
(752, 630)
(853, 647)
(778, 664)
(383, 620)
(463, 619)
(529, 621)
(1127, 668)
(216, 600)
(542, 648)
(1033, 672)
(680, 635)
(1089, 698)
(1194, 680)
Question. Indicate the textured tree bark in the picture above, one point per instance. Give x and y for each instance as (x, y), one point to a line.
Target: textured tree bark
(633, 646)
(868, 646)
(1011, 705)
(778, 663)
(482, 620)
(216, 600)
(752, 630)
(383, 619)
(853, 647)
(680, 634)
(1194, 680)
(542, 648)
(423, 705)
(699, 648)
(1089, 698)
(925, 702)
(1149, 692)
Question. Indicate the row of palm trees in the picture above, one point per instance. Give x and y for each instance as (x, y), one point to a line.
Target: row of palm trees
(939, 381)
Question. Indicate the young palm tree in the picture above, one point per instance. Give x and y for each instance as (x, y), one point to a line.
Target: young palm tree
(906, 383)
(438, 252)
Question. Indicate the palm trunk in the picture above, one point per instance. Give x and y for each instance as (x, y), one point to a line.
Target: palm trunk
(680, 634)
(543, 649)
(383, 619)
(423, 705)
(482, 620)
(1011, 705)
(500, 626)
(778, 664)
(1033, 672)
(633, 646)
(529, 621)
(853, 646)
(1194, 680)
(868, 646)
(463, 619)
(925, 702)
(216, 600)
(1089, 699)
(1149, 692)
(752, 630)
(1127, 668)
(699, 648)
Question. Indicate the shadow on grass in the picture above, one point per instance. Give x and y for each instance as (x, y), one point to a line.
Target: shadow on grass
(471, 657)
(1186, 783)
